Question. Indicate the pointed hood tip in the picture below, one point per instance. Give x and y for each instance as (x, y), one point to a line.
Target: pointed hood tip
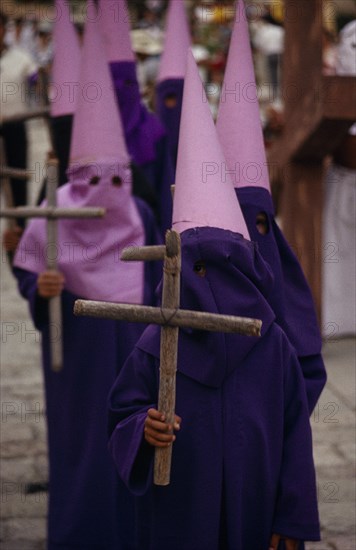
(66, 63)
(115, 26)
(238, 123)
(204, 193)
(176, 44)
(97, 128)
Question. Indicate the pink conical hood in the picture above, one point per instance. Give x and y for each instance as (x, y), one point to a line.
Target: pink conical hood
(204, 194)
(114, 20)
(66, 64)
(238, 123)
(177, 41)
(97, 130)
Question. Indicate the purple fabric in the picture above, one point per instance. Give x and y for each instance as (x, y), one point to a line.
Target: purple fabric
(142, 129)
(32, 79)
(244, 447)
(290, 299)
(101, 276)
(145, 137)
(83, 505)
(170, 116)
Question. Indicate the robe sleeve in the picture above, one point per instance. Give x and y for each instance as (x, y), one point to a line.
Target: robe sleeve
(296, 511)
(27, 283)
(135, 391)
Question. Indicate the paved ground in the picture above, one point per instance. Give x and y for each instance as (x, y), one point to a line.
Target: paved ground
(23, 433)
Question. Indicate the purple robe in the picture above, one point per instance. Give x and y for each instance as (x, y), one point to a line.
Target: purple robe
(146, 138)
(84, 489)
(290, 299)
(170, 116)
(242, 465)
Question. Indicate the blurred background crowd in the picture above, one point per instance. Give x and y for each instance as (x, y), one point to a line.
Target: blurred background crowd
(30, 27)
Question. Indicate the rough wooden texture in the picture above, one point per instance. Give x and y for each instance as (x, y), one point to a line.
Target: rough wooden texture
(17, 173)
(55, 304)
(143, 253)
(168, 352)
(181, 318)
(38, 113)
(51, 213)
(303, 197)
(318, 112)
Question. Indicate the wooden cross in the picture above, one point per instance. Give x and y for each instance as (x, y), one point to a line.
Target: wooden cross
(35, 113)
(319, 110)
(170, 317)
(52, 213)
(6, 172)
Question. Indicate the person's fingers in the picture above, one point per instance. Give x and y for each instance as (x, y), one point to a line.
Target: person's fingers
(155, 443)
(52, 277)
(156, 415)
(177, 422)
(159, 436)
(50, 285)
(157, 425)
(155, 430)
(274, 542)
(11, 238)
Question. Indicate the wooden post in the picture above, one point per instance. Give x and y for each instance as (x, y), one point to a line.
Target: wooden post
(171, 318)
(168, 352)
(55, 303)
(302, 199)
(318, 112)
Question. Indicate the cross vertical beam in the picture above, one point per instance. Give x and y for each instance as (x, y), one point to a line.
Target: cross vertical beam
(55, 305)
(168, 352)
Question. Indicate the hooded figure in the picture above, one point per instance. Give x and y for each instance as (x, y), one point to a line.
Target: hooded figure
(83, 504)
(240, 133)
(145, 136)
(170, 82)
(242, 467)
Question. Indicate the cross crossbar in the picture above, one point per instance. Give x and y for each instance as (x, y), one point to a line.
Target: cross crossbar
(51, 213)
